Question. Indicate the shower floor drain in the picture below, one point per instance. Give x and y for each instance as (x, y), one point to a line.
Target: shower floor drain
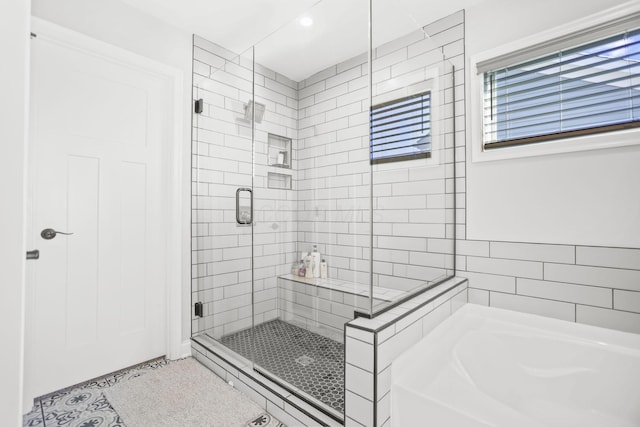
(304, 360)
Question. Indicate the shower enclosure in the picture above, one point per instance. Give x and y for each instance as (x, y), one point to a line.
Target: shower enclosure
(336, 137)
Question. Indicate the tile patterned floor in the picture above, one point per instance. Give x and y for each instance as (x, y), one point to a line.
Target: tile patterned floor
(304, 359)
(85, 405)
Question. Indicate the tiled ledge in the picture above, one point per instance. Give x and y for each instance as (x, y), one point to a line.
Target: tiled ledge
(371, 345)
(415, 307)
(380, 293)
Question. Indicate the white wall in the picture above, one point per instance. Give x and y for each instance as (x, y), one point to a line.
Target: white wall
(586, 198)
(118, 24)
(14, 45)
(556, 235)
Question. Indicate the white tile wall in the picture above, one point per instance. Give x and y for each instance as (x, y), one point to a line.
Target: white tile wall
(393, 333)
(222, 157)
(409, 197)
(594, 285)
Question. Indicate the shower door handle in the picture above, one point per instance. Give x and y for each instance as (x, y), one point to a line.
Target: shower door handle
(244, 212)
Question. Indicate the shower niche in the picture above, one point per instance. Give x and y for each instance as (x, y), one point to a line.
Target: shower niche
(279, 161)
(299, 153)
(279, 151)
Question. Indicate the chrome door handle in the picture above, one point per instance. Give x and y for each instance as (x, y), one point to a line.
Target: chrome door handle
(244, 214)
(50, 233)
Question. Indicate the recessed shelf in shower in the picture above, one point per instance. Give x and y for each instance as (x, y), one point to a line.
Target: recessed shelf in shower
(279, 154)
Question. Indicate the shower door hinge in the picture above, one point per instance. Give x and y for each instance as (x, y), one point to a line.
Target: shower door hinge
(199, 106)
(198, 309)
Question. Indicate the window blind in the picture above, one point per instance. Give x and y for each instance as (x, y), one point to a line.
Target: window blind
(401, 129)
(591, 88)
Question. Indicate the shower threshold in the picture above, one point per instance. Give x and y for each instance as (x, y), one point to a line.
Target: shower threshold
(288, 402)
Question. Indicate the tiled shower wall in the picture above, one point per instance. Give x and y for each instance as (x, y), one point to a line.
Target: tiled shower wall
(373, 344)
(222, 162)
(413, 200)
(585, 284)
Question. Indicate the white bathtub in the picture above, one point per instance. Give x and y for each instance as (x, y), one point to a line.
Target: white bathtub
(492, 367)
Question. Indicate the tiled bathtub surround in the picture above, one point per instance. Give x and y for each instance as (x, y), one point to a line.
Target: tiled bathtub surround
(585, 284)
(373, 344)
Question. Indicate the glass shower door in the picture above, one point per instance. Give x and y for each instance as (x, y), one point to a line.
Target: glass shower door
(223, 212)
(312, 199)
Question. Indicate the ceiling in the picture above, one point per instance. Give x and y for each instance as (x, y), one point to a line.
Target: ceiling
(339, 30)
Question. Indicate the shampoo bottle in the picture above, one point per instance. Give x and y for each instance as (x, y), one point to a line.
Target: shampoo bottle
(323, 269)
(308, 265)
(316, 260)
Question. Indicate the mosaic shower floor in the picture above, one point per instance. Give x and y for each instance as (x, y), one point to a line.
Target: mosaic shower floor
(304, 359)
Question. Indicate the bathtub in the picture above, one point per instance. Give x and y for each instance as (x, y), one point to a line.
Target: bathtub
(491, 367)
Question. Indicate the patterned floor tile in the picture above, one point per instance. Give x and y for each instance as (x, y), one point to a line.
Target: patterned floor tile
(86, 406)
(307, 360)
(34, 418)
(81, 407)
(264, 420)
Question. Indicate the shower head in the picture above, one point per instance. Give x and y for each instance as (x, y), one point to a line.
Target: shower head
(248, 111)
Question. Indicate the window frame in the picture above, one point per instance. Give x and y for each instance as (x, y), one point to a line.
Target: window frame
(402, 88)
(403, 157)
(596, 26)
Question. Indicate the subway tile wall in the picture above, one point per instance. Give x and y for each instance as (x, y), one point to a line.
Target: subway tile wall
(585, 284)
(222, 163)
(318, 309)
(368, 377)
(373, 344)
(413, 200)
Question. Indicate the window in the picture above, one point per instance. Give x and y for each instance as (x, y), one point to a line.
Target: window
(588, 89)
(401, 129)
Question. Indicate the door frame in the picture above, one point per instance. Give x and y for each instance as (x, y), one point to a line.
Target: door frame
(172, 162)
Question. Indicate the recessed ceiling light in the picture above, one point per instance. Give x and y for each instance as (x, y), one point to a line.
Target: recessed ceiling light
(306, 21)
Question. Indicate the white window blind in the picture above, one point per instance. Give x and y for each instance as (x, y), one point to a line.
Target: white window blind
(401, 129)
(591, 88)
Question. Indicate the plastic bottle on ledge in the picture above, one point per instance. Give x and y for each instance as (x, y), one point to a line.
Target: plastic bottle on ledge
(308, 266)
(323, 269)
(316, 261)
(301, 269)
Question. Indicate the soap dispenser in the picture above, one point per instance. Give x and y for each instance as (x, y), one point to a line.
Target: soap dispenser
(316, 260)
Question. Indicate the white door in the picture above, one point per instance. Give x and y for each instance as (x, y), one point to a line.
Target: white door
(96, 299)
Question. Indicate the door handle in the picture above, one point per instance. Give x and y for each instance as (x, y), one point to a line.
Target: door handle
(34, 254)
(50, 233)
(244, 214)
